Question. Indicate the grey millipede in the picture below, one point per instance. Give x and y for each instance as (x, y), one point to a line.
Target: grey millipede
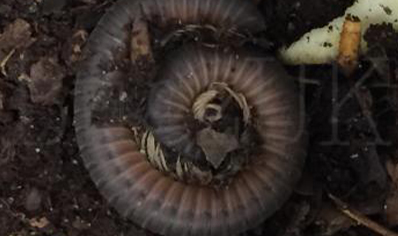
(164, 203)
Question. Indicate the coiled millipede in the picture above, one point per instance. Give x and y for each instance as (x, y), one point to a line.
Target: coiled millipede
(220, 141)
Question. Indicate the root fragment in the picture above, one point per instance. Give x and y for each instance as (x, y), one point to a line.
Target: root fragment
(3, 63)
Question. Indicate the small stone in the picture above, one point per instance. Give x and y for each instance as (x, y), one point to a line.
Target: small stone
(123, 96)
(33, 200)
(10, 200)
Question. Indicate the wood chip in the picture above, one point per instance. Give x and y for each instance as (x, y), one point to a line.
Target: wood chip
(350, 41)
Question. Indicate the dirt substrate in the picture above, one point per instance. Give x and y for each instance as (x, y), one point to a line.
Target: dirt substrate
(45, 190)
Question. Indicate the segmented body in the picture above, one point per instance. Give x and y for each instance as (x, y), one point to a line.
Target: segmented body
(151, 198)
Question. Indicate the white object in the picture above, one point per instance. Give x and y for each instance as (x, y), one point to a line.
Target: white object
(321, 45)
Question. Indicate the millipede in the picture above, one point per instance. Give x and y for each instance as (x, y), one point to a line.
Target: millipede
(222, 139)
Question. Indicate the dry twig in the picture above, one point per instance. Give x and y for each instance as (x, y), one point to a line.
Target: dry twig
(3, 63)
(361, 219)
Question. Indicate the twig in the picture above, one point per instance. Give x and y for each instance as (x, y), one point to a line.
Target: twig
(361, 219)
(3, 63)
(308, 81)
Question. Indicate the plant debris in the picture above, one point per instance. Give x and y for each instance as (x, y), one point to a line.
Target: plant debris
(17, 35)
(216, 145)
(45, 81)
(362, 219)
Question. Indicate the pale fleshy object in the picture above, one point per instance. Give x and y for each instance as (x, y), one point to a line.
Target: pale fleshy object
(321, 45)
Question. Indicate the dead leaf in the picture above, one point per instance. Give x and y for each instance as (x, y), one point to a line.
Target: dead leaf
(45, 83)
(216, 145)
(16, 35)
(39, 223)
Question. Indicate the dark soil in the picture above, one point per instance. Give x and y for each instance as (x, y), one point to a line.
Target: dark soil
(45, 189)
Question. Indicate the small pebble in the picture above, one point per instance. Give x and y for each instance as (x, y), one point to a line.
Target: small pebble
(33, 200)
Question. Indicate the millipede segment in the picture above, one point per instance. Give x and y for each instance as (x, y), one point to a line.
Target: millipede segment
(159, 201)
